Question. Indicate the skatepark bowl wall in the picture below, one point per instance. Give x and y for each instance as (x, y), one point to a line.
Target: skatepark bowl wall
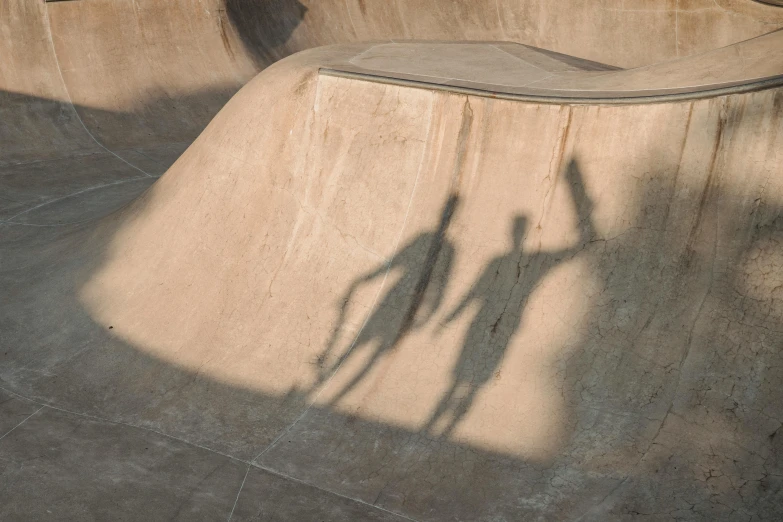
(391, 260)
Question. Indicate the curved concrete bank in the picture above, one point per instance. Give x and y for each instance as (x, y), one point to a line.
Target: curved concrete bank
(101, 95)
(364, 301)
(396, 299)
(145, 77)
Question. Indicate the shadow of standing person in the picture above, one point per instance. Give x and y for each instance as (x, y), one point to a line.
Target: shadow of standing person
(424, 267)
(502, 291)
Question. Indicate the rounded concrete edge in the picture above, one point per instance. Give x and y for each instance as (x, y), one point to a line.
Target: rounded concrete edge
(619, 98)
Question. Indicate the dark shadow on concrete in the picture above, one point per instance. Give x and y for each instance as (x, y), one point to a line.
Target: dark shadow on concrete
(671, 383)
(501, 292)
(426, 258)
(264, 26)
(47, 154)
(34, 128)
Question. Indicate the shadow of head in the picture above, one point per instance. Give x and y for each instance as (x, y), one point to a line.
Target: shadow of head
(265, 26)
(448, 212)
(518, 230)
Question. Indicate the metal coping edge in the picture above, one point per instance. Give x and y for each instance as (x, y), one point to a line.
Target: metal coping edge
(757, 85)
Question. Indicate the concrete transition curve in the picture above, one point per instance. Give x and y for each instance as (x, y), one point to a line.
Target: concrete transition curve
(459, 260)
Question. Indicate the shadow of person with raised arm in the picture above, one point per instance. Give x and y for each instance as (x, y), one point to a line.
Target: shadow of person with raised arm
(501, 293)
(424, 267)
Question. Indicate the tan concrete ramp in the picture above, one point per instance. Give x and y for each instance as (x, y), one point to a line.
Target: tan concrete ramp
(389, 280)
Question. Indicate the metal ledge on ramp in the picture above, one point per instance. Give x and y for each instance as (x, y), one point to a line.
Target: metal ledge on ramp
(518, 72)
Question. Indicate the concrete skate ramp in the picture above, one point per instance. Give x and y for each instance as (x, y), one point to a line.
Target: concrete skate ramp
(372, 295)
(144, 77)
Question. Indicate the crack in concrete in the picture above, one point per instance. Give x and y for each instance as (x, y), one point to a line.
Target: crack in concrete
(46, 405)
(23, 421)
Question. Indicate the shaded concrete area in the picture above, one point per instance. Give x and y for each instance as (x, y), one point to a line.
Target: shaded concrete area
(89, 469)
(108, 468)
(353, 300)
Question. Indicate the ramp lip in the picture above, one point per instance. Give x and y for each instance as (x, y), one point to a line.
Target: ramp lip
(552, 96)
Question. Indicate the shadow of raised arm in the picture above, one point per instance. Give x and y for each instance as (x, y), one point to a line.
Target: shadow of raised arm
(583, 205)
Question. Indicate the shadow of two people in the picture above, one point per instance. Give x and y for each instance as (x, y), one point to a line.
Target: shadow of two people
(500, 292)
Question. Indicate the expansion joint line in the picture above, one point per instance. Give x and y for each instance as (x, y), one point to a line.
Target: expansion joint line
(49, 406)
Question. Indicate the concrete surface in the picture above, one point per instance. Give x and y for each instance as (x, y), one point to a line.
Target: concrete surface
(397, 299)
